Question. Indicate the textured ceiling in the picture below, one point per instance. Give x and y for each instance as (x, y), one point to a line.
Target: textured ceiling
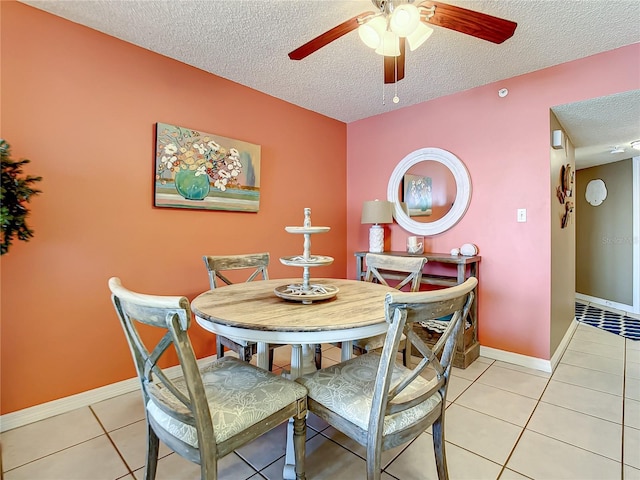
(248, 42)
(599, 125)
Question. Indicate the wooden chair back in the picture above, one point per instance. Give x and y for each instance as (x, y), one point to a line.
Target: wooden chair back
(216, 264)
(406, 270)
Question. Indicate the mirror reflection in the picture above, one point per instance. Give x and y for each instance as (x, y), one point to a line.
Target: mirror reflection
(428, 191)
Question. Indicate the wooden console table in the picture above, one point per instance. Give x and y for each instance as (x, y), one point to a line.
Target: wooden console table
(467, 348)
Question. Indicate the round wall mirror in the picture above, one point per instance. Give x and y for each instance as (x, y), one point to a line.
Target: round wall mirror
(430, 190)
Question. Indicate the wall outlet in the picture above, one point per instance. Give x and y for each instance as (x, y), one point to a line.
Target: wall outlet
(522, 215)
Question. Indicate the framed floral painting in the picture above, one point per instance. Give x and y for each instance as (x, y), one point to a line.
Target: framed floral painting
(204, 171)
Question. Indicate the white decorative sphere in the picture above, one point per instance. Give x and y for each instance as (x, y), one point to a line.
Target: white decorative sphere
(455, 251)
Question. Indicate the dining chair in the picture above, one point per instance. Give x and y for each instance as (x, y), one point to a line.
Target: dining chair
(405, 272)
(382, 404)
(219, 269)
(202, 412)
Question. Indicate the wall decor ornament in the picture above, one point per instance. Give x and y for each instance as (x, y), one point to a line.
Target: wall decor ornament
(596, 192)
(566, 217)
(203, 171)
(565, 189)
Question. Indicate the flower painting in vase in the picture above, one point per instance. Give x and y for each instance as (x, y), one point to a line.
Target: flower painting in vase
(204, 171)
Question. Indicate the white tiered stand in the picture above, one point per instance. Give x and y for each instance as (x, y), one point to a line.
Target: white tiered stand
(306, 292)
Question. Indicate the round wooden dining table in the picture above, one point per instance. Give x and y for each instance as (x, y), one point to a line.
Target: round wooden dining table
(252, 311)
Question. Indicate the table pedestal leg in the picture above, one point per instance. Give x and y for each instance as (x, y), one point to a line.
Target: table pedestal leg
(262, 356)
(346, 351)
(302, 362)
(289, 470)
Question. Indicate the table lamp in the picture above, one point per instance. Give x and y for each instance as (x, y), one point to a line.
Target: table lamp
(377, 212)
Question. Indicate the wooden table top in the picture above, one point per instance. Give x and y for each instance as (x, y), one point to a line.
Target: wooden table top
(255, 306)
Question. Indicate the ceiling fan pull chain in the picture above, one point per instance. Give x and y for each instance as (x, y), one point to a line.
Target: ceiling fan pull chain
(396, 99)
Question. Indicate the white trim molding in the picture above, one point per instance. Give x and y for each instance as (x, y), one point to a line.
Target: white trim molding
(636, 234)
(532, 362)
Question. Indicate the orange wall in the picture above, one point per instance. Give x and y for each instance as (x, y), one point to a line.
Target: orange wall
(504, 143)
(82, 106)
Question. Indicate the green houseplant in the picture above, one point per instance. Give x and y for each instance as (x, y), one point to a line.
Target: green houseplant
(16, 191)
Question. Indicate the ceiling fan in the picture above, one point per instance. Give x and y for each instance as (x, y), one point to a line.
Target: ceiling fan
(398, 22)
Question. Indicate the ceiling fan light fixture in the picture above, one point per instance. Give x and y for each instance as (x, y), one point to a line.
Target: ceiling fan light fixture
(616, 149)
(371, 31)
(635, 144)
(419, 36)
(404, 19)
(389, 45)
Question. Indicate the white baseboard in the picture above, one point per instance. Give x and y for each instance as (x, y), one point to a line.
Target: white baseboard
(532, 362)
(557, 355)
(23, 417)
(29, 415)
(607, 304)
(516, 359)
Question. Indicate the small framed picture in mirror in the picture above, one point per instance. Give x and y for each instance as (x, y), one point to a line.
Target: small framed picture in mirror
(417, 195)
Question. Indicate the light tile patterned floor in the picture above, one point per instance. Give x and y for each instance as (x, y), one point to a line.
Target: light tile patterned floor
(503, 421)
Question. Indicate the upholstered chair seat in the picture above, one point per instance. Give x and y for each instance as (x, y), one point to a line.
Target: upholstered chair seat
(347, 389)
(239, 396)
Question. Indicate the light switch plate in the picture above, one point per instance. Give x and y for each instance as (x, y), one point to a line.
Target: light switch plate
(522, 215)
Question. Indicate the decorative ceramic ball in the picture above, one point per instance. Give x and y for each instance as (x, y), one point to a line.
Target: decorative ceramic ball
(455, 251)
(469, 249)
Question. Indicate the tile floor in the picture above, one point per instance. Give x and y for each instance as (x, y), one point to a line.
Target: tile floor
(502, 421)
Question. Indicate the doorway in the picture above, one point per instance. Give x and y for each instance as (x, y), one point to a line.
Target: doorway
(601, 131)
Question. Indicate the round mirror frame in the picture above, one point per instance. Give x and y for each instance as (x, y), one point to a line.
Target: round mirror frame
(460, 204)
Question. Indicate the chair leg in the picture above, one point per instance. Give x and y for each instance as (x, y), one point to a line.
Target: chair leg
(153, 446)
(299, 447)
(245, 354)
(438, 448)
(219, 347)
(358, 351)
(406, 356)
(270, 358)
(318, 356)
(374, 460)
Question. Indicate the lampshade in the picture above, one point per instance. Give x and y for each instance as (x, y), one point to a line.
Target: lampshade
(419, 36)
(404, 19)
(389, 45)
(377, 211)
(371, 32)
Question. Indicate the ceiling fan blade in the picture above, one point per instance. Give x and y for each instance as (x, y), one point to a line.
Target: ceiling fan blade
(394, 66)
(327, 37)
(476, 24)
